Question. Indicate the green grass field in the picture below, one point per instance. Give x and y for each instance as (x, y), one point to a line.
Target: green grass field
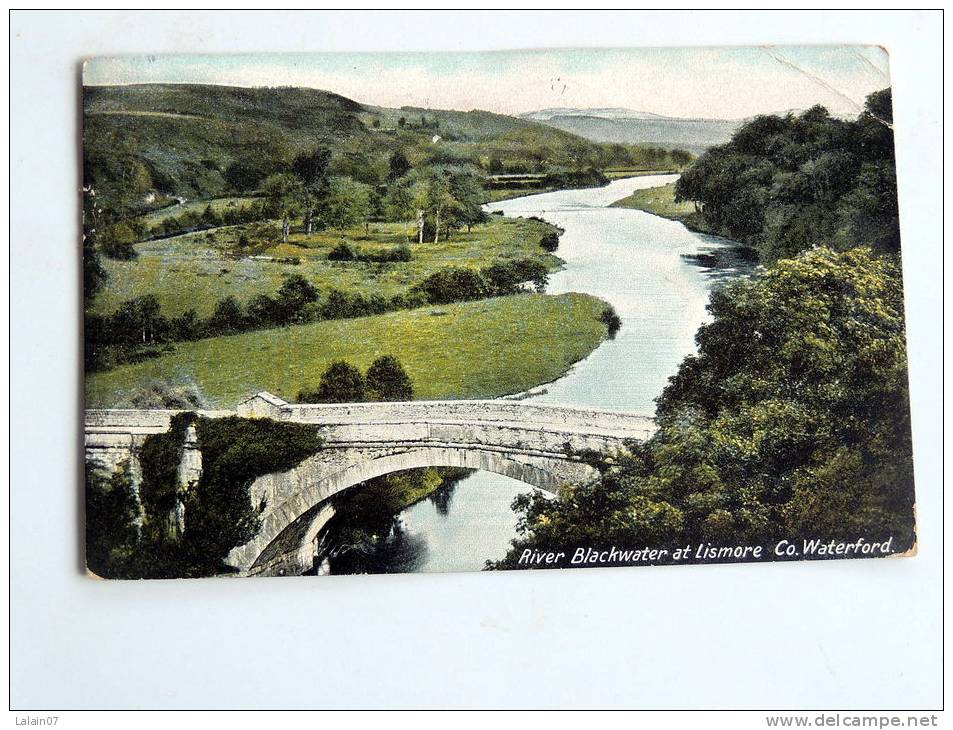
(192, 271)
(495, 196)
(661, 201)
(479, 349)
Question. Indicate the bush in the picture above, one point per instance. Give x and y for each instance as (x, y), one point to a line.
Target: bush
(398, 254)
(117, 241)
(550, 242)
(162, 394)
(610, 318)
(388, 381)
(342, 252)
(453, 285)
(228, 316)
(340, 383)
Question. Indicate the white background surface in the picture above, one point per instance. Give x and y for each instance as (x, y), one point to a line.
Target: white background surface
(847, 635)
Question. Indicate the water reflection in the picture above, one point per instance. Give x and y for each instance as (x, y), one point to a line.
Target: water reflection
(458, 527)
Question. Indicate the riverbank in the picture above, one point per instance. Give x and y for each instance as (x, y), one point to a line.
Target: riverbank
(480, 349)
(660, 201)
(499, 195)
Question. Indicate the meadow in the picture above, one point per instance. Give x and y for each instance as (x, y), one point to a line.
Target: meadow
(480, 349)
(658, 201)
(196, 270)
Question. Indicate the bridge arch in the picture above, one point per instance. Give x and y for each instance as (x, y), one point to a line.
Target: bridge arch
(297, 501)
(531, 442)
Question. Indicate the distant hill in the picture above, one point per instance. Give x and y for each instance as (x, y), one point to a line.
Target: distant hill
(629, 126)
(146, 141)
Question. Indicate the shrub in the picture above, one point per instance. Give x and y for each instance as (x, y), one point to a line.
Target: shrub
(341, 252)
(340, 383)
(453, 285)
(117, 241)
(397, 254)
(228, 316)
(162, 394)
(550, 242)
(610, 318)
(387, 380)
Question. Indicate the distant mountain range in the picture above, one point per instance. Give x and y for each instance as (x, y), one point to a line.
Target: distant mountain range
(630, 126)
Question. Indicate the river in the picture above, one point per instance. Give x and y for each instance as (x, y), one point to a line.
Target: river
(641, 264)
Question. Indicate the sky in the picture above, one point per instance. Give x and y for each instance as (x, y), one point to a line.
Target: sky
(724, 83)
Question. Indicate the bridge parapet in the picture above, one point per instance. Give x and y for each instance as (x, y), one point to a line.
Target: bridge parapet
(615, 424)
(537, 426)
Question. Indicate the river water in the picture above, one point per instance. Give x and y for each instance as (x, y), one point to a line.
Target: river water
(642, 265)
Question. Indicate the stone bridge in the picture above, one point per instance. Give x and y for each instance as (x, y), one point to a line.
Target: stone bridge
(536, 444)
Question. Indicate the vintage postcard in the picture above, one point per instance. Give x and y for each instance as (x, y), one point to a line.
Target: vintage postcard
(375, 313)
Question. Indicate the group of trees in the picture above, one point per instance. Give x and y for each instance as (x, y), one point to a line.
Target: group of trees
(785, 184)
(436, 199)
(453, 284)
(322, 201)
(139, 323)
(792, 420)
(386, 380)
(344, 252)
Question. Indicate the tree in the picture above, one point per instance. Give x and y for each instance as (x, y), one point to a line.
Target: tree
(507, 277)
(787, 184)
(441, 201)
(340, 383)
(117, 241)
(283, 198)
(879, 105)
(468, 195)
(387, 380)
(421, 200)
(345, 203)
(294, 295)
(399, 200)
(399, 165)
(137, 321)
(228, 316)
(311, 168)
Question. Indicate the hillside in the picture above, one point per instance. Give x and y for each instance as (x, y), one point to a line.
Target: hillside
(148, 142)
(628, 126)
